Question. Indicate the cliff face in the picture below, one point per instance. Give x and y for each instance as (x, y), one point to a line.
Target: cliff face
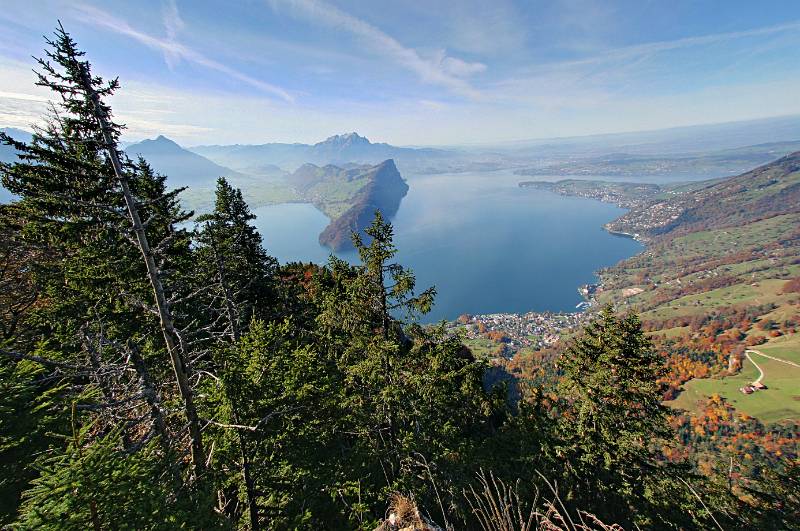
(384, 190)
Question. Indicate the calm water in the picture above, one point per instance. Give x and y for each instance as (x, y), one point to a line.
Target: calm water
(487, 245)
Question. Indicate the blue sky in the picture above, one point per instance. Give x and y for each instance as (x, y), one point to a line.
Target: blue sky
(415, 72)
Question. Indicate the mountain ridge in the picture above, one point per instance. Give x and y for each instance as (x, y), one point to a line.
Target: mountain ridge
(183, 167)
(769, 190)
(336, 149)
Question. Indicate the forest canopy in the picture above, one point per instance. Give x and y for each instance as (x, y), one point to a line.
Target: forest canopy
(160, 370)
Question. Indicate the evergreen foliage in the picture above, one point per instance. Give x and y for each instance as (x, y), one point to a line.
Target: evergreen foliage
(153, 377)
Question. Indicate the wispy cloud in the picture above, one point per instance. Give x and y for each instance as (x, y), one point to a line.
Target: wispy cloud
(173, 24)
(22, 96)
(456, 67)
(448, 72)
(595, 79)
(650, 49)
(172, 48)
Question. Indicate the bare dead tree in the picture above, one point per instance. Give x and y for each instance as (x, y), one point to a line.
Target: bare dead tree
(127, 395)
(166, 321)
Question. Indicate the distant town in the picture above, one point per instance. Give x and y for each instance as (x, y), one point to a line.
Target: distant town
(513, 331)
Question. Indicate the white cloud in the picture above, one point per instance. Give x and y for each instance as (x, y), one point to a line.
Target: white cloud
(606, 78)
(430, 71)
(608, 90)
(102, 19)
(173, 24)
(22, 96)
(458, 68)
(653, 48)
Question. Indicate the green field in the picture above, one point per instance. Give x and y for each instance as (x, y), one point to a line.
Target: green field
(334, 197)
(201, 200)
(765, 291)
(779, 402)
(786, 348)
(481, 348)
(672, 332)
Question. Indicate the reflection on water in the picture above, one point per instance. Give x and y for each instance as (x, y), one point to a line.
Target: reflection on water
(486, 244)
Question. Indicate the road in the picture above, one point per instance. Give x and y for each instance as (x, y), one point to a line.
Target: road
(787, 362)
(760, 372)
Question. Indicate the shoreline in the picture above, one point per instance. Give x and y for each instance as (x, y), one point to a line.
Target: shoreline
(583, 310)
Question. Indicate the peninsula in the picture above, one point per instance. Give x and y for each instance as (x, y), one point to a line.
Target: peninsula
(349, 196)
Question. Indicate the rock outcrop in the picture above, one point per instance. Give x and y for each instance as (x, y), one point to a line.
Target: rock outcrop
(384, 190)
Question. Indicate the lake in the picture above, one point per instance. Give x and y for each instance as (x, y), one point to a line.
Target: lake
(487, 245)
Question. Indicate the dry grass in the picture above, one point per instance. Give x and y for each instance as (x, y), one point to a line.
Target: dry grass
(404, 515)
(497, 507)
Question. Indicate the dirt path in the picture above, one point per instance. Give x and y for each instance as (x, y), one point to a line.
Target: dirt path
(793, 364)
(760, 372)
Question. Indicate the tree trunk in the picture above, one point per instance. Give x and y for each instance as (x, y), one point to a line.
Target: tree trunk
(387, 362)
(165, 316)
(252, 506)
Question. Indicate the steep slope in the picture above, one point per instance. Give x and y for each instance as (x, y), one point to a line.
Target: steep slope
(764, 192)
(182, 167)
(720, 273)
(350, 196)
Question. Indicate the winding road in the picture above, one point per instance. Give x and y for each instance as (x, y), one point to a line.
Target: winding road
(761, 372)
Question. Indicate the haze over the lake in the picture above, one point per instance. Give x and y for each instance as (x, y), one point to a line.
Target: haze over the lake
(487, 245)
(414, 72)
(486, 79)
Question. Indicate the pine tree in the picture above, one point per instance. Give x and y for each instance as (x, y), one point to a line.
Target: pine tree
(413, 399)
(282, 401)
(96, 271)
(97, 487)
(613, 420)
(359, 309)
(232, 261)
(239, 277)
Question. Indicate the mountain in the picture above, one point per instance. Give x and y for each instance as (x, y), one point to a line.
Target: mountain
(181, 166)
(338, 149)
(719, 274)
(680, 166)
(767, 191)
(676, 140)
(350, 196)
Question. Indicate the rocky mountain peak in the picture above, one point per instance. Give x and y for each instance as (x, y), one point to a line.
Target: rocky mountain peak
(345, 140)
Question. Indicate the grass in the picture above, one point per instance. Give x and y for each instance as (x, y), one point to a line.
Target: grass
(766, 291)
(201, 200)
(672, 332)
(780, 401)
(481, 347)
(785, 347)
(759, 269)
(334, 197)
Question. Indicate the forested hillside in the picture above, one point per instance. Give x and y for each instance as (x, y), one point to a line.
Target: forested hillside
(718, 273)
(154, 376)
(762, 193)
(717, 291)
(351, 197)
